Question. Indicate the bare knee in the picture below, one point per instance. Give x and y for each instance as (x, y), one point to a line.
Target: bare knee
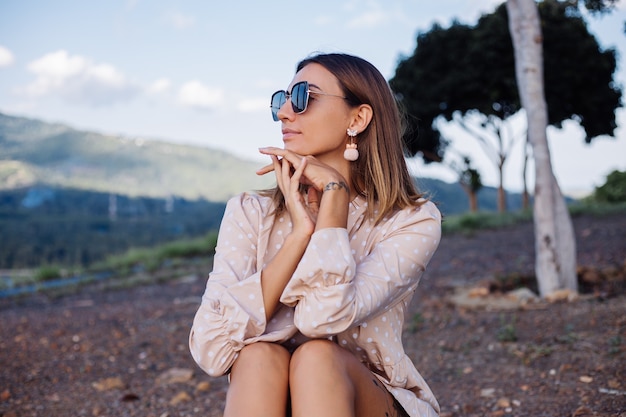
(259, 381)
(320, 380)
(317, 355)
(262, 357)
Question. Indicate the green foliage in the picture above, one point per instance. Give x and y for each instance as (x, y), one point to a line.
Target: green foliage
(507, 331)
(469, 222)
(41, 226)
(597, 6)
(595, 208)
(151, 259)
(613, 190)
(468, 69)
(47, 273)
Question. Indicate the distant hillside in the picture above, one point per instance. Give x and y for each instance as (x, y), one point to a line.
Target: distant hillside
(70, 197)
(37, 153)
(43, 225)
(451, 198)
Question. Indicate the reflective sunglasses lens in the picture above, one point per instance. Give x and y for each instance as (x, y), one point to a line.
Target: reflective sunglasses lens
(278, 99)
(300, 96)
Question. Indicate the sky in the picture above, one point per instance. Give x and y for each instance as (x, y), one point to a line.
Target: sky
(201, 72)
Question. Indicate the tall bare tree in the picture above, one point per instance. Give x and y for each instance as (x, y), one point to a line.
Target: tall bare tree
(555, 246)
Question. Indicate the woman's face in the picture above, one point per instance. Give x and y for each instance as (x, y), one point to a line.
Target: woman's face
(321, 130)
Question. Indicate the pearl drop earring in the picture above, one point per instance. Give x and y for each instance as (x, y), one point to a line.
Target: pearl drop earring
(351, 153)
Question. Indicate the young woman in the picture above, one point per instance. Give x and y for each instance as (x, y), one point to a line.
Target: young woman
(305, 305)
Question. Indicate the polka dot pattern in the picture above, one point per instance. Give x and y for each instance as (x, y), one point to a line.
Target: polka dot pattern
(352, 285)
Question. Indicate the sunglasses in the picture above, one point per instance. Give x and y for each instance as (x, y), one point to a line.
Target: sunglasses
(299, 97)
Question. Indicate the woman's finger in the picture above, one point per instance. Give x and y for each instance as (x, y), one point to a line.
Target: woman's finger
(293, 158)
(278, 171)
(297, 175)
(265, 170)
(285, 172)
(313, 200)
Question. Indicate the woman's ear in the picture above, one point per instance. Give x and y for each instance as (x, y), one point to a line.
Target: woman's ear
(362, 118)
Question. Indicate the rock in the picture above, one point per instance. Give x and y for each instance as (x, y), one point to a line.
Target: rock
(503, 403)
(591, 276)
(583, 412)
(179, 398)
(5, 395)
(478, 292)
(108, 384)
(174, 375)
(203, 386)
(561, 295)
(523, 296)
(467, 298)
(586, 379)
(487, 392)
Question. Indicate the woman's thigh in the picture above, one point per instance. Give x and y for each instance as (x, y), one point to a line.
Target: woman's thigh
(259, 382)
(331, 379)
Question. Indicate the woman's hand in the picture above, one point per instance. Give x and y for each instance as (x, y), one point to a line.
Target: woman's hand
(303, 213)
(316, 174)
(316, 212)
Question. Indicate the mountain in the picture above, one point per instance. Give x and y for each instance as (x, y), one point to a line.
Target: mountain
(71, 197)
(451, 199)
(33, 152)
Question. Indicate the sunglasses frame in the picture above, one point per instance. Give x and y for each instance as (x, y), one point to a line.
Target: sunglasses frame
(297, 109)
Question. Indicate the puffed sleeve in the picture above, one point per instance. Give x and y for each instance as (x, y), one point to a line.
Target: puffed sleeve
(331, 292)
(232, 309)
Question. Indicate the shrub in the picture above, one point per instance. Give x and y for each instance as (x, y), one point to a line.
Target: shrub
(47, 273)
(613, 190)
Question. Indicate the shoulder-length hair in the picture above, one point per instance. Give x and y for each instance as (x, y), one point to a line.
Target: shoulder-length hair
(380, 174)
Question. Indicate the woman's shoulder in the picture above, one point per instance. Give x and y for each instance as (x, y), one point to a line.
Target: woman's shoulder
(422, 209)
(250, 203)
(428, 208)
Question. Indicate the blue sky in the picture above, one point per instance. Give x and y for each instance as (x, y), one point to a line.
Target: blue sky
(201, 72)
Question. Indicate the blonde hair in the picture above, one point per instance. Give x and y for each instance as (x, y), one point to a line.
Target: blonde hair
(380, 175)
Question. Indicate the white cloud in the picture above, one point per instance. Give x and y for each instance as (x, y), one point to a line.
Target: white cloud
(78, 79)
(159, 86)
(369, 19)
(6, 57)
(180, 20)
(254, 105)
(196, 95)
(372, 14)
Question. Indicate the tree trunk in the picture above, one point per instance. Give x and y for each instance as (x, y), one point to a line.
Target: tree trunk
(525, 196)
(555, 247)
(473, 202)
(501, 192)
(472, 197)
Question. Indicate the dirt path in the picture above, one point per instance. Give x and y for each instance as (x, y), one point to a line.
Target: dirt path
(124, 352)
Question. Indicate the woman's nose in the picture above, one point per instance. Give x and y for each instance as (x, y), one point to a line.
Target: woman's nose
(286, 110)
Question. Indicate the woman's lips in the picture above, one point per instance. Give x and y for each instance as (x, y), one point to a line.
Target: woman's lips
(289, 133)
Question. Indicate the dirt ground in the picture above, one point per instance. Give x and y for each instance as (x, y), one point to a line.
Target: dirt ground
(483, 351)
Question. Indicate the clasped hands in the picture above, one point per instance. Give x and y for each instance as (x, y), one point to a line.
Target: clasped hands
(291, 171)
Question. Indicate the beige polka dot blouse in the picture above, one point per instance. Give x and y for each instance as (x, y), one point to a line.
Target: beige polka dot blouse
(352, 286)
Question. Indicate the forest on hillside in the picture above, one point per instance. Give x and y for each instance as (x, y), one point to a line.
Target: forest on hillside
(50, 226)
(44, 225)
